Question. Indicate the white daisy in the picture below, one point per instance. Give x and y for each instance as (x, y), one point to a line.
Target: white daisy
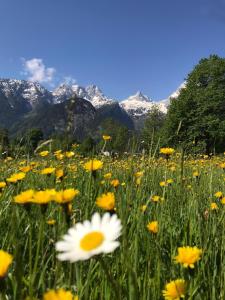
(90, 238)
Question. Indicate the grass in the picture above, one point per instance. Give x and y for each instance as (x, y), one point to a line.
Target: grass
(144, 261)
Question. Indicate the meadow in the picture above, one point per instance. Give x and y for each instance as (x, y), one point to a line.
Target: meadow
(168, 210)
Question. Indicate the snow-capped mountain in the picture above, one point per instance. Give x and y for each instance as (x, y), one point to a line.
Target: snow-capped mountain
(139, 105)
(32, 92)
(91, 93)
(178, 90)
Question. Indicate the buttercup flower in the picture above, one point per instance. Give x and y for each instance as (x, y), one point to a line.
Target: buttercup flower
(90, 238)
(106, 201)
(188, 256)
(175, 290)
(60, 294)
(5, 262)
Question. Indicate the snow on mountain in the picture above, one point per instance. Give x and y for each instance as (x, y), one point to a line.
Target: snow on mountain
(32, 92)
(139, 105)
(177, 92)
(91, 93)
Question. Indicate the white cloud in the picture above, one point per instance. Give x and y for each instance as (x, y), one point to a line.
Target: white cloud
(36, 70)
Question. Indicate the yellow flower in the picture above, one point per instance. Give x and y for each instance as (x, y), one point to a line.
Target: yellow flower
(143, 208)
(51, 222)
(218, 194)
(93, 165)
(175, 290)
(153, 226)
(188, 256)
(42, 197)
(24, 197)
(223, 200)
(214, 206)
(5, 261)
(115, 183)
(107, 175)
(169, 181)
(69, 154)
(16, 177)
(44, 153)
(106, 201)
(139, 174)
(47, 171)
(25, 169)
(2, 185)
(163, 183)
(60, 156)
(59, 173)
(155, 198)
(195, 174)
(65, 196)
(60, 294)
(167, 151)
(106, 137)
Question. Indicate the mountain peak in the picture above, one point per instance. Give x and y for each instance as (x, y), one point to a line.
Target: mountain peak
(139, 97)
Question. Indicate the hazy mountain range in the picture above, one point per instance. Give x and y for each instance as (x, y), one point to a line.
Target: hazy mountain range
(25, 104)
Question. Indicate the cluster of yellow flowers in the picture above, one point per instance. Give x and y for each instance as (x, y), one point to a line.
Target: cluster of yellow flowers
(46, 196)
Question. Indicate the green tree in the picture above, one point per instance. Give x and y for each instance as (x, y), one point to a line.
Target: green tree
(4, 141)
(119, 133)
(196, 119)
(151, 133)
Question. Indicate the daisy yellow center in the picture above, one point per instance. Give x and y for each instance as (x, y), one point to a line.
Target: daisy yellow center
(91, 241)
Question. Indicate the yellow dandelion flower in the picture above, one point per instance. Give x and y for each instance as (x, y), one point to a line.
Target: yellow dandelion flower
(25, 169)
(139, 174)
(214, 206)
(69, 154)
(5, 262)
(115, 183)
(59, 173)
(223, 200)
(163, 183)
(143, 208)
(175, 290)
(167, 151)
(47, 171)
(2, 185)
(107, 175)
(218, 194)
(44, 153)
(16, 177)
(42, 197)
(106, 201)
(106, 137)
(24, 197)
(93, 165)
(60, 294)
(51, 222)
(65, 196)
(155, 198)
(153, 226)
(188, 256)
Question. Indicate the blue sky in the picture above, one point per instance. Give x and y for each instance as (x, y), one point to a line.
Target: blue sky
(120, 45)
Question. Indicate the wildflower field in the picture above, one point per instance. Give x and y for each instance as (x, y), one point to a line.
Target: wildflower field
(102, 228)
